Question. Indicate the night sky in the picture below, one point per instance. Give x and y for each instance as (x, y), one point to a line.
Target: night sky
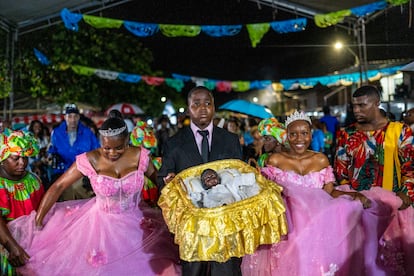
(277, 56)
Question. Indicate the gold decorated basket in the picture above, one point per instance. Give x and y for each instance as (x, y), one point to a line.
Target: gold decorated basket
(234, 230)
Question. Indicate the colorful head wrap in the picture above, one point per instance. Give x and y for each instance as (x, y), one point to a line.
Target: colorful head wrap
(143, 135)
(17, 143)
(272, 127)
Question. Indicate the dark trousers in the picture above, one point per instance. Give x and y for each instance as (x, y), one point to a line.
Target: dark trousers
(229, 268)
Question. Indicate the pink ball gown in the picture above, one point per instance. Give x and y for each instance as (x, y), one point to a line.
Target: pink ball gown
(111, 234)
(396, 242)
(326, 235)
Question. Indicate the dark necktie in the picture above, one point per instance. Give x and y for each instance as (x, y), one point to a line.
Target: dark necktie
(204, 145)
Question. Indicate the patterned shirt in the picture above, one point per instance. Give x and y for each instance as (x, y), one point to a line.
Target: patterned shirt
(360, 159)
(19, 197)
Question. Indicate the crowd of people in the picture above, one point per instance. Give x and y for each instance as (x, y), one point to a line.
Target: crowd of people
(78, 200)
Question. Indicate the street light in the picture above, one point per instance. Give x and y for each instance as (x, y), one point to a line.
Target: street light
(339, 46)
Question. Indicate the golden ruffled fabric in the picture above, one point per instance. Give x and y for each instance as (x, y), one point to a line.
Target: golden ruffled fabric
(217, 234)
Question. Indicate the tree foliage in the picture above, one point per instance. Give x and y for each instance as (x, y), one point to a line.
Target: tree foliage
(105, 49)
(5, 84)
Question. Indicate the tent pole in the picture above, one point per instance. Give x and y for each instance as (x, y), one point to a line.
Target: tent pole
(6, 58)
(13, 40)
(364, 49)
(357, 33)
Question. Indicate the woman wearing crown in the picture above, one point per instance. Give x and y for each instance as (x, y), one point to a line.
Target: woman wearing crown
(114, 233)
(327, 227)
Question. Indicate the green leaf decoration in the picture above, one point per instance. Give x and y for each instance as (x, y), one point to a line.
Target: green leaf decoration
(398, 2)
(240, 86)
(170, 30)
(83, 70)
(257, 31)
(329, 19)
(100, 22)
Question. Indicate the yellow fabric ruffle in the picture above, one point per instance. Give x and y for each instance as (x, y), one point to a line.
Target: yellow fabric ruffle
(217, 234)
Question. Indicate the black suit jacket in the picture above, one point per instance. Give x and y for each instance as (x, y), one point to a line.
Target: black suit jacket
(181, 151)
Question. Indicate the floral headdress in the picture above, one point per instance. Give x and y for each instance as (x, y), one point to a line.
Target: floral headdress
(143, 135)
(17, 143)
(273, 128)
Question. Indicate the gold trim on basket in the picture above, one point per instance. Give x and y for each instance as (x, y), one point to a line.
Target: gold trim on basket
(234, 230)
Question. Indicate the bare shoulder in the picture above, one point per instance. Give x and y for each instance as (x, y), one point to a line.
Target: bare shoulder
(276, 158)
(134, 151)
(93, 156)
(320, 159)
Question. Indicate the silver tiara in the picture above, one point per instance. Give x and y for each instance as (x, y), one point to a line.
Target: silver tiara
(112, 132)
(295, 116)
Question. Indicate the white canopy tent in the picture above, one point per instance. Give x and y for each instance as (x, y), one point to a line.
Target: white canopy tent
(23, 16)
(408, 68)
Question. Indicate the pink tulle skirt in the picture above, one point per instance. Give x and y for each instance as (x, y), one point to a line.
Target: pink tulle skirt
(333, 236)
(80, 239)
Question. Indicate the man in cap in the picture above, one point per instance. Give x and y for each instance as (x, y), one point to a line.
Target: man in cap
(69, 139)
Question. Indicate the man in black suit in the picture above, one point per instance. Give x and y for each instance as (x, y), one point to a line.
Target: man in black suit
(184, 150)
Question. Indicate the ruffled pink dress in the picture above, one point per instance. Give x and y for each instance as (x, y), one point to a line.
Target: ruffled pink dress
(396, 236)
(327, 236)
(111, 234)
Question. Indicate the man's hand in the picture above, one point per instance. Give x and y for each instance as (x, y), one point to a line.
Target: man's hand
(366, 203)
(406, 201)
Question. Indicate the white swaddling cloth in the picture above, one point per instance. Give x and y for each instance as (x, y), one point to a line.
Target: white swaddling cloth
(234, 186)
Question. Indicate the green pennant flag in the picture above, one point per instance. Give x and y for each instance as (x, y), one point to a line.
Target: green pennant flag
(170, 30)
(101, 22)
(257, 31)
(329, 19)
(240, 86)
(83, 70)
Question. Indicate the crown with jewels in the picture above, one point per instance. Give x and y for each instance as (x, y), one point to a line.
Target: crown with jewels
(295, 116)
(112, 132)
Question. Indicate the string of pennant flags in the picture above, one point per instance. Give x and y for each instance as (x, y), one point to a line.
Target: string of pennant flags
(177, 81)
(256, 31)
